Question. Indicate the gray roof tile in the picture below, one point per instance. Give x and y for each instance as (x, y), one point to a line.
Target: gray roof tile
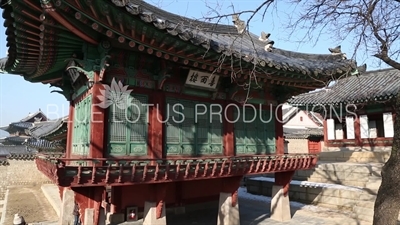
(16, 149)
(226, 39)
(295, 133)
(368, 87)
(45, 128)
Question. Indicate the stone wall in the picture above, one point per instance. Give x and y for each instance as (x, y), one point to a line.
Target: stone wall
(20, 173)
(368, 149)
(355, 156)
(296, 145)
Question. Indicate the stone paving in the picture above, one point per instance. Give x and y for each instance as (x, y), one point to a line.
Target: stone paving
(254, 210)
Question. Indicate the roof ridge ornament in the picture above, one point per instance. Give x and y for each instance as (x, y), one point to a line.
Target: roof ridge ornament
(338, 51)
(265, 38)
(362, 69)
(239, 24)
(120, 3)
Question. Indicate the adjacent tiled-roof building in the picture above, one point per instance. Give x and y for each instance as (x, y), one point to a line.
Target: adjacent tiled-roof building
(372, 86)
(293, 133)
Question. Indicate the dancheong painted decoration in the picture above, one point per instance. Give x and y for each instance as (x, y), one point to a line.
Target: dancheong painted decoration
(165, 111)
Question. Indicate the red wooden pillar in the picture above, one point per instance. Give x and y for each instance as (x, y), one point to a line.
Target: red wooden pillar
(156, 118)
(88, 198)
(70, 129)
(283, 179)
(357, 131)
(158, 195)
(116, 197)
(280, 141)
(61, 192)
(229, 134)
(97, 122)
(231, 185)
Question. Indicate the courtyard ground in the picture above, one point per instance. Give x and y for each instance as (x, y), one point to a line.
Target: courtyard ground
(254, 210)
(29, 202)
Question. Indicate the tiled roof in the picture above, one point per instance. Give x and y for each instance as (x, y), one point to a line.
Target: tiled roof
(13, 140)
(23, 125)
(294, 133)
(3, 151)
(371, 86)
(45, 128)
(6, 150)
(38, 114)
(41, 144)
(226, 39)
(3, 63)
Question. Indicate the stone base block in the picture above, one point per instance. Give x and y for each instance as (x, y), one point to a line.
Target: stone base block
(115, 218)
(150, 214)
(280, 205)
(89, 216)
(67, 207)
(228, 214)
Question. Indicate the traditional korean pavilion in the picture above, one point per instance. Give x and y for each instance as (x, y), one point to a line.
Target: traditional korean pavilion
(125, 65)
(358, 110)
(33, 134)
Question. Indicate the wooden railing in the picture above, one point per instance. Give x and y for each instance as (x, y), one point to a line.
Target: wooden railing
(100, 172)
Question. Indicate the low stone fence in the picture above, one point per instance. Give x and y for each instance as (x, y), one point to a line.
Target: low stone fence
(20, 172)
(355, 156)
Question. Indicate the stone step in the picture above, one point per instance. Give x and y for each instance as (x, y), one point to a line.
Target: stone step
(349, 174)
(352, 199)
(338, 181)
(365, 214)
(373, 185)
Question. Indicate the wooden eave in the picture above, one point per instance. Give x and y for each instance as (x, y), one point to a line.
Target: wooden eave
(63, 29)
(156, 42)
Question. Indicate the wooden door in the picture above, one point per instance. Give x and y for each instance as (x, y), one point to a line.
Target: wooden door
(314, 146)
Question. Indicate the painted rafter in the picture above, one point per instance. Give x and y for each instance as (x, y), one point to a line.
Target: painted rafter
(122, 35)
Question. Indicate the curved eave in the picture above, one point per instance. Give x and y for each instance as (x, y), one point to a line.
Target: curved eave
(38, 44)
(306, 64)
(304, 101)
(41, 44)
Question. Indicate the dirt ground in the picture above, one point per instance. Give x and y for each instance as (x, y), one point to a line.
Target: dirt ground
(30, 203)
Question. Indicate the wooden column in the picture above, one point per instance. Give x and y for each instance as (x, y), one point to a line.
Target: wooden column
(70, 129)
(97, 123)
(154, 206)
(229, 132)
(89, 198)
(280, 141)
(357, 131)
(116, 197)
(283, 179)
(156, 116)
(231, 185)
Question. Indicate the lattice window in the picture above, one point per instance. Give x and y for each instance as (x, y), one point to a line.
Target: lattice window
(191, 132)
(81, 128)
(254, 131)
(128, 127)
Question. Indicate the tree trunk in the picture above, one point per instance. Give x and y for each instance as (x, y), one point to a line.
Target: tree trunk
(387, 204)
